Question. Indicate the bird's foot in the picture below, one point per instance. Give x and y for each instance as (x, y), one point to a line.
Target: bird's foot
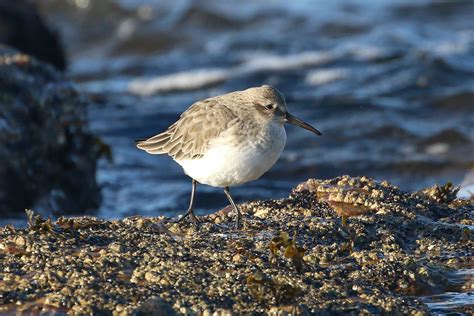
(192, 218)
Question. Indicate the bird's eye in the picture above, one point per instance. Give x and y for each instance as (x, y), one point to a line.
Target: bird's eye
(270, 106)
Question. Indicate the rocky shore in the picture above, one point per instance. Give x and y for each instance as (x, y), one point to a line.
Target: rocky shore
(294, 256)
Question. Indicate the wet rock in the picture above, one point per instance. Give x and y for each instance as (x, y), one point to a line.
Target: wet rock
(441, 194)
(22, 27)
(295, 257)
(48, 156)
(354, 196)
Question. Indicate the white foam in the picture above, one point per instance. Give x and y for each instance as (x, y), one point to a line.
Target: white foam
(458, 43)
(288, 62)
(320, 77)
(364, 52)
(185, 80)
(437, 149)
(467, 186)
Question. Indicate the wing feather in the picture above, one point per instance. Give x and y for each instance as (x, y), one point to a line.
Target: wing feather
(189, 137)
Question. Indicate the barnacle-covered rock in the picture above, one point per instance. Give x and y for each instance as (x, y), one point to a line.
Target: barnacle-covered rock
(441, 194)
(294, 256)
(357, 196)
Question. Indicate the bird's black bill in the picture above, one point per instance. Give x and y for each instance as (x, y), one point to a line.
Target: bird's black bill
(296, 121)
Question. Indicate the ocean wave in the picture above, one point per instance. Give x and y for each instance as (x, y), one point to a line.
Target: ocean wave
(185, 80)
(323, 76)
(269, 62)
(205, 77)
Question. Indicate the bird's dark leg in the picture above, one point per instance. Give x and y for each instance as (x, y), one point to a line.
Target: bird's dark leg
(236, 209)
(344, 220)
(190, 211)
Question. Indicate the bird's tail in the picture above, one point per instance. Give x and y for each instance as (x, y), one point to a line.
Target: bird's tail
(155, 144)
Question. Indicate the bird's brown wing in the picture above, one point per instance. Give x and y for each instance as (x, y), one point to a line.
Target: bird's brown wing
(189, 137)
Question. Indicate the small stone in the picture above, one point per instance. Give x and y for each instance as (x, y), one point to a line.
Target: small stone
(20, 241)
(115, 247)
(261, 213)
(164, 282)
(152, 277)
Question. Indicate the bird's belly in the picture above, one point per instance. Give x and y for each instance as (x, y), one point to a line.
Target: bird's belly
(226, 165)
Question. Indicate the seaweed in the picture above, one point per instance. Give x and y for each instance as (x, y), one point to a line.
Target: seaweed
(286, 246)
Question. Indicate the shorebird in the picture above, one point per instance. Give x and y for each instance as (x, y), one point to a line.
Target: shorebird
(227, 140)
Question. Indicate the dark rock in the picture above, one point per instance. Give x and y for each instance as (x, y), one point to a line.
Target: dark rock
(23, 28)
(47, 153)
(154, 306)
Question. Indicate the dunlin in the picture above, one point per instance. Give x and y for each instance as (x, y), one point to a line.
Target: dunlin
(227, 140)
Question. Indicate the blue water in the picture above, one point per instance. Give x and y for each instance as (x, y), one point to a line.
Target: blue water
(390, 84)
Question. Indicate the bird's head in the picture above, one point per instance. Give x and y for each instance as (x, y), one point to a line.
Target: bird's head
(271, 105)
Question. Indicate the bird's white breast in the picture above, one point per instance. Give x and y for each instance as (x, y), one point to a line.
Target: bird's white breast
(230, 163)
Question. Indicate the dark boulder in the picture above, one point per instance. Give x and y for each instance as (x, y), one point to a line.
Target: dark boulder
(23, 28)
(48, 157)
